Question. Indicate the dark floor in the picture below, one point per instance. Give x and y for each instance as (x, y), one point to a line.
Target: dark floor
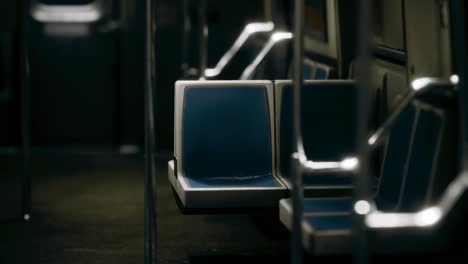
(89, 209)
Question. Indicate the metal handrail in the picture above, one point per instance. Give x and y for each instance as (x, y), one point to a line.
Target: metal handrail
(298, 154)
(275, 38)
(25, 97)
(203, 38)
(361, 190)
(418, 87)
(150, 212)
(185, 37)
(427, 217)
(250, 30)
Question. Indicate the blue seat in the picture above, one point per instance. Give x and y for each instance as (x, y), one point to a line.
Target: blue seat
(392, 176)
(308, 69)
(322, 72)
(405, 184)
(416, 192)
(312, 70)
(394, 165)
(224, 145)
(328, 131)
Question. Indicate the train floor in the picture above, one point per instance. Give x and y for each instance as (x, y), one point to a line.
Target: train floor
(89, 209)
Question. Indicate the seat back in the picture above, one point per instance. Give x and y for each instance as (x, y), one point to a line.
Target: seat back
(423, 158)
(224, 128)
(411, 158)
(322, 72)
(395, 160)
(308, 69)
(328, 118)
(312, 70)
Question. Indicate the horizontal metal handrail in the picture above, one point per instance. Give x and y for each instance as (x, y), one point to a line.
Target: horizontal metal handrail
(430, 216)
(418, 87)
(427, 217)
(310, 166)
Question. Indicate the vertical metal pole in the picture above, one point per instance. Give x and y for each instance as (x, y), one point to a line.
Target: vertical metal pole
(203, 41)
(298, 152)
(268, 13)
(25, 108)
(118, 84)
(186, 24)
(361, 179)
(150, 168)
(459, 45)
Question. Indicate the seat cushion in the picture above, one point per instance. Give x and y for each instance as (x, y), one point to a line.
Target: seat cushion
(259, 181)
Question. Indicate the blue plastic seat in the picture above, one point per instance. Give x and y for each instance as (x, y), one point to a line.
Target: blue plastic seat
(405, 185)
(322, 72)
(224, 145)
(393, 173)
(327, 128)
(313, 70)
(308, 69)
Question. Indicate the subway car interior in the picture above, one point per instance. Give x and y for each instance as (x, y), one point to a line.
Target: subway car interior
(234, 131)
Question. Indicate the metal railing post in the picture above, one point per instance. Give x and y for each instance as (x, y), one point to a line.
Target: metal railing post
(186, 28)
(298, 152)
(361, 181)
(150, 145)
(25, 108)
(459, 54)
(203, 38)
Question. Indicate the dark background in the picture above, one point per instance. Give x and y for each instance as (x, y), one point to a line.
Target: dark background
(88, 91)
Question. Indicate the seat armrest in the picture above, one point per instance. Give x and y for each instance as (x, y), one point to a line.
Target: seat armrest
(172, 172)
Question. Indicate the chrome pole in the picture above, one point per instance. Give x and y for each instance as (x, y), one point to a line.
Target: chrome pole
(186, 28)
(298, 152)
(459, 54)
(203, 38)
(25, 108)
(361, 178)
(150, 168)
